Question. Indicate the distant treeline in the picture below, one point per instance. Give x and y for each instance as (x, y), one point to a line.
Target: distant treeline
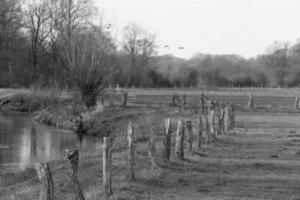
(278, 67)
(49, 43)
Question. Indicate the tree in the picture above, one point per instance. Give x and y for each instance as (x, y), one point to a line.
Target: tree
(38, 15)
(90, 63)
(277, 60)
(141, 48)
(10, 25)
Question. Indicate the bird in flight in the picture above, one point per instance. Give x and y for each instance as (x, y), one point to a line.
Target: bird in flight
(180, 48)
(167, 47)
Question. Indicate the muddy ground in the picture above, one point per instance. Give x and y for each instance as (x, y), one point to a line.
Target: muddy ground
(259, 159)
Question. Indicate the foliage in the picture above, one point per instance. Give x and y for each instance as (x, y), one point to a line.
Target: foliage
(56, 43)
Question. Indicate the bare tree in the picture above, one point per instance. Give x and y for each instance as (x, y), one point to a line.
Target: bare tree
(277, 59)
(141, 49)
(90, 63)
(38, 16)
(10, 25)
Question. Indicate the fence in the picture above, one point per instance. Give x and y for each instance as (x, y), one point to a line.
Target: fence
(214, 118)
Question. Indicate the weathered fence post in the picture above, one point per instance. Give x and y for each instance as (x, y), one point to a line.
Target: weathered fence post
(207, 122)
(73, 157)
(45, 176)
(124, 98)
(222, 116)
(167, 140)
(190, 139)
(219, 121)
(183, 101)
(179, 151)
(211, 123)
(173, 100)
(130, 139)
(232, 116)
(202, 102)
(207, 136)
(107, 166)
(226, 119)
(151, 149)
(250, 102)
(200, 133)
(297, 103)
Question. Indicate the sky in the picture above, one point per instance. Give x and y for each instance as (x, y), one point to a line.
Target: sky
(244, 27)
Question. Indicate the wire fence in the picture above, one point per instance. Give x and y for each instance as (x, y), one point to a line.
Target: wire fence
(143, 120)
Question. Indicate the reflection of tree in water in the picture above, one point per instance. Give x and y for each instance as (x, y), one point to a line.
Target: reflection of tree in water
(33, 142)
(30, 143)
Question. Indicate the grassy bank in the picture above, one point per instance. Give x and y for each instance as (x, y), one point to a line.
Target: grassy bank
(259, 159)
(251, 162)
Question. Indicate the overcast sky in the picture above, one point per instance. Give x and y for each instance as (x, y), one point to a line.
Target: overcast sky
(245, 27)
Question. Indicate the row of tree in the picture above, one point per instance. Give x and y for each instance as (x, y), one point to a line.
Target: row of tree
(49, 43)
(54, 43)
(278, 67)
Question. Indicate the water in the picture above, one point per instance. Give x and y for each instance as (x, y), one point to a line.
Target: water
(23, 143)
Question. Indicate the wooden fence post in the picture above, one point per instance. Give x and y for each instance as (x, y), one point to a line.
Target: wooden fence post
(73, 157)
(250, 102)
(226, 119)
(207, 136)
(183, 101)
(202, 102)
(211, 123)
(179, 151)
(173, 100)
(167, 140)
(200, 133)
(222, 120)
(151, 149)
(232, 123)
(107, 166)
(190, 139)
(130, 139)
(45, 177)
(124, 98)
(297, 103)
(219, 121)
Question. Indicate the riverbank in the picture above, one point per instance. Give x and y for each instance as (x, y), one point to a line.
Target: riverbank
(259, 159)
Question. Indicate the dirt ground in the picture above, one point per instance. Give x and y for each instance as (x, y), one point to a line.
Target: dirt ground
(259, 159)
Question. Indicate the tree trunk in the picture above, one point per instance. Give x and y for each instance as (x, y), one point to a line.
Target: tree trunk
(200, 133)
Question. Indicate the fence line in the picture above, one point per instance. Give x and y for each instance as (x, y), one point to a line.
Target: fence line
(179, 150)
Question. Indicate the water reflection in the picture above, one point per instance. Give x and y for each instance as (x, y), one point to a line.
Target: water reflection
(23, 143)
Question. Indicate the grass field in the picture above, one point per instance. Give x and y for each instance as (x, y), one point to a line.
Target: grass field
(259, 159)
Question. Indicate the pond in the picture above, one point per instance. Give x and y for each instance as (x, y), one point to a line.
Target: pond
(23, 143)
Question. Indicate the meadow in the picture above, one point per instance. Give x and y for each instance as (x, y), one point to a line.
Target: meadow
(258, 159)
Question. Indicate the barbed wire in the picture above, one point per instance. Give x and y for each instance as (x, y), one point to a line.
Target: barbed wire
(62, 187)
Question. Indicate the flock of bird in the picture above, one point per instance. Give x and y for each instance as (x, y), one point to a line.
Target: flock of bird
(168, 47)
